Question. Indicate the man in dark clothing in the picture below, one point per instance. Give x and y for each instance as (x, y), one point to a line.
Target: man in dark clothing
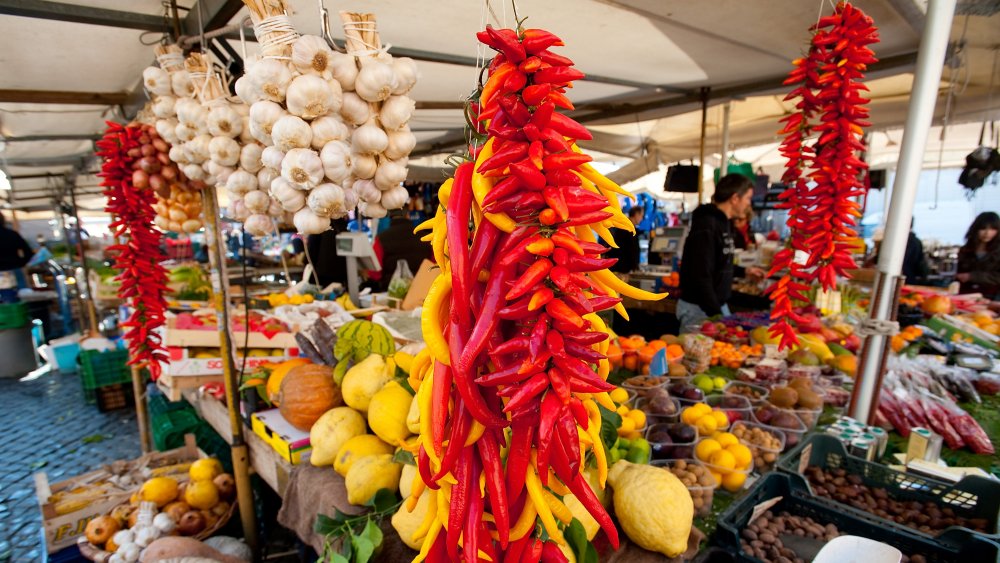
(14, 250)
(399, 243)
(627, 252)
(707, 262)
(322, 254)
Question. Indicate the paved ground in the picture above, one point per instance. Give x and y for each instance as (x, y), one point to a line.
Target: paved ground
(48, 427)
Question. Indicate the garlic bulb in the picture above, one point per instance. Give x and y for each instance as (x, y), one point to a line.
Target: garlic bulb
(163, 106)
(303, 168)
(258, 224)
(246, 135)
(237, 210)
(291, 132)
(197, 149)
(241, 183)
(275, 211)
(345, 70)
(288, 197)
(250, 157)
(355, 110)
(375, 81)
(272, 157)
(369, 139)
(336, 157)
(223, 120)
(178, 155)
(265, 176)
(327, 200)
(309, 96)
(366, 190)
(350, 199)
(224, 151)
(156, 80)
(406, 74)
(363, 166)
(257, 201)
(263, 116)
(308, 223)
(191, 114)
(372, 209)
(166, 128)
(194, 172)
(395, 198)
(184, 133)
(401, 143)
(218, 172)
(396, 112)
(271, 78)
(390, 173)
(311, 55)
(247, 91)
(328, 128)
(180, 83)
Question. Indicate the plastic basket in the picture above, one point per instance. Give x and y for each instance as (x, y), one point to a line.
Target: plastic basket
(214, 445)
(169, 428)
(13, 315)
(972, 497)
(98, 369)
(795, 499)
(158, 404)
(110, 397)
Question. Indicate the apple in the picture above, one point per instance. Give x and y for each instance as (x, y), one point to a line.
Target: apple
(191, 523)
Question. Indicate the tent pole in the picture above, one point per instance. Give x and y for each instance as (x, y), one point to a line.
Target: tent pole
(230, 373)
(726, 109)
(701, 149)
(930, 60)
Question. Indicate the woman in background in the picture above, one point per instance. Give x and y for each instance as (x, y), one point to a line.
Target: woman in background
(979, 258)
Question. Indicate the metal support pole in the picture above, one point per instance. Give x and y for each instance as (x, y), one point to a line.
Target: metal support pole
(220, 293)
(68, 323)
(930, 60)
(90, 301)
(724, 159)
(141, 411)
(701, 148)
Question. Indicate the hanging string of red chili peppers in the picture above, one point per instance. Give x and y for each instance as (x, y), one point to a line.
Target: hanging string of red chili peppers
(143, 280)
(823, 177)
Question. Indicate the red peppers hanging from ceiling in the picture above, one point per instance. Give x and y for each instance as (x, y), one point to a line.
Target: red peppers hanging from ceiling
(823, 138)
(143, 280)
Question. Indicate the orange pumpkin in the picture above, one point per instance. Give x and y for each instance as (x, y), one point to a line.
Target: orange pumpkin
(278, 374)
(306, 393)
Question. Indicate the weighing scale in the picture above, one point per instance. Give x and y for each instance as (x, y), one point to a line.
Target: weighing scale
(669, 241)
(356, 248)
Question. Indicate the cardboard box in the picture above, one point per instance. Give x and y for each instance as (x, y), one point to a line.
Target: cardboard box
(291, 443)
(420, 285)
(210, 339)
(182, 363)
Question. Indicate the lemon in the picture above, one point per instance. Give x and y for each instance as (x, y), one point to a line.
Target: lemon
(741, 454)
(159, 490)
(205, 469)
(413, 417)
(618, 395)
(406, 480)
(362, 381)
(622, 410)
(404, 361)
(734, 481)
(406, 522)
(722, 460)
(628, 425)
(706, 425)
(201, 495)
(689, 416)
(387, 413)
(719, 382)
(639, 417)
(332, 431)
(369, 474)
(706, 448)
(356, 448)
(725, 439)
(653, 507)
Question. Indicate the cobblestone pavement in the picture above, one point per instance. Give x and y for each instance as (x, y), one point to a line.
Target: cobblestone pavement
(48, 427)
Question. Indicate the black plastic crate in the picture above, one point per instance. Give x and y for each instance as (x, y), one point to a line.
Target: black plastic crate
(972, 497)
(959, 545)
(98, 369)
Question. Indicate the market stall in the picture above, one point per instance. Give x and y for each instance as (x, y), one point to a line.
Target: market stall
(487, 407)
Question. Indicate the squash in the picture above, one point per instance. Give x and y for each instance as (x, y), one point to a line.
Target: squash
(306, 393)
(278, 374)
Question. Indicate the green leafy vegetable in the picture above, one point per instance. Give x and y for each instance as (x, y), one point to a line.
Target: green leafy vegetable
(360, 535)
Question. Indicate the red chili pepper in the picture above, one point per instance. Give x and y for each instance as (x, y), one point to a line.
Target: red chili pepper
(424, 467)
(529, 175)
(473, 521)
(496, 485)
(515, 109)
(529, 279)
(581, 489)
(440, 394)
(576, 300)
(553, 59)
(535, 94)
(515, 551)
(556, 200)
(527, 391)
(559, 276)
(588, 218)
(540, 246)
(566, 160)
(551, 409)
(525, 201)
(530, 64)
(533, 553)
(577, 370)
(586, 338)
(552, 554)
(557, 75)
(506, 41)
(585, 353)
(485, 241)
(461, 425)
(558, 310)
(579, 412)
(535, 40)
(461, 497)
(537, 337)
(507, 376)
(560, 385)
(560, 100)
(543, 116)
(603, 302)
(548, 217)
(567, 241)
(459, 206)
(516, 311)
(539, 298)
(568, 127)
(536, 153)
(569, 440)
(585, 202)
(463, 379)
(510, 153)
(562, 178)
(512, 346)
(515, 81)
(575, 263)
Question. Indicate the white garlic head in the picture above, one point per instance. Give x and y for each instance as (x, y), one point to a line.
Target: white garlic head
(395, 198)
(407, 74)
(372, 209)
(363, 166)
(163, 106)
(258, 224)
(250, 157)
(178, 155)
(265, 176)
(355, 110)
(224, 151)
(350, 198)
(167, 130)
(401, 143)
(271, 78)
(375, 81)
(344, 70)
(287, 196)
(263, 116)
(156, 80)
(272, 157)
(311, 55)
(257, 201)
(164, 523)
(328, 128)
(224, 120)
(366, 190)
(310, 96)
(327, 200)
(303, 168)
(336, 157)
(369, 139)
(181, 85)
(390, 173)
(192, 114)
(308, 223)
(241, 183)
(396, 112)
(194, 172)
(197, 149)
(291, 132)
(247, 91)
(184, 133)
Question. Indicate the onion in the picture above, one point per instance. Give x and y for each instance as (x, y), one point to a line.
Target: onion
(161, 145)
(163, 157)
(158, 183)
(140, 179)
(169, 172)
(149, 164)
(148, 150)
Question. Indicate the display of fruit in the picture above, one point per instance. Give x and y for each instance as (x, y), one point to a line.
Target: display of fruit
(770, 415)
(927, 517)
(334, 428)
(906, 336)
(387, 412)
(641, 384)
(674, 440)
(100, 530)
(708, 383)
(766, 445)
(706, 419)
(360, 447)
(277, 375)
(762, 537)
(800, 397)
(732, 356)
(658, 403)
(279, 299)
(159, 490)
(736, 408)
(686, 392)
(725, 333)
(636, 450)
(205, 469)
(653, 507)
(364, 379)
(369, 474)
(633, 422)
(937, 305)
(698, 480)
(306, 393)
(750, 391)
(727, 459)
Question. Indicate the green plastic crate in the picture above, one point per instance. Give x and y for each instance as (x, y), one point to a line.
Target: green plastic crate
(214, 445)
(169, 428)
(98, 369)
(13, 315)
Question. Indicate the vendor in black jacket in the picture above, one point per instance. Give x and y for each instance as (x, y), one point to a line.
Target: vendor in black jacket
(707, 261)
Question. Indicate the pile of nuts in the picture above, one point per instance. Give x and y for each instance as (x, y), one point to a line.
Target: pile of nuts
(762, 538)
(926, 517)
(764, 444)
(752, 393)
(699, 482)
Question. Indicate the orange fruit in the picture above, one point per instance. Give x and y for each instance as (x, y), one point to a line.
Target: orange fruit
(734, 481)
(706, 448)
(722, 460)
(725, 439)
(741, 453)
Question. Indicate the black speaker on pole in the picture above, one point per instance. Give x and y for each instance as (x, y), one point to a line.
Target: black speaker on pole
(877, 179)
(682, 178)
